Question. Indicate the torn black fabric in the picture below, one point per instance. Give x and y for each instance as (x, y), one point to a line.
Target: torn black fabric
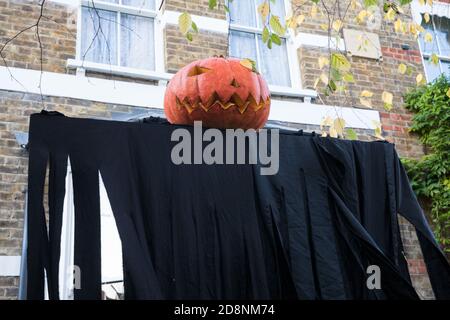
(225, 231)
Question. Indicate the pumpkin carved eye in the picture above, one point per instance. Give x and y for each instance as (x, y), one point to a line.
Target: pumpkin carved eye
(234, 83)
(196, 71)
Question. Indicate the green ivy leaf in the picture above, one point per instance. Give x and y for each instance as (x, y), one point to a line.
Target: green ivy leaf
(350, 134)
(276, 39)
(212, 4)
(276, 25)
(369, 3)
(184, 22)
(265, 35)
(405, 2)
(194, 27)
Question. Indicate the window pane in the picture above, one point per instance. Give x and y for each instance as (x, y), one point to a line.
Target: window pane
(274, 63)
(243, 12)
(99, 40)
(242, 45)
(433, 71)
(137, 42)
(141, 4)
(443, 34)
(445, 68)
(276, 9)
(429, 47)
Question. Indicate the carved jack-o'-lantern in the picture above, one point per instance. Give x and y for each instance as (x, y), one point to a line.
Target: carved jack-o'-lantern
(220, 92)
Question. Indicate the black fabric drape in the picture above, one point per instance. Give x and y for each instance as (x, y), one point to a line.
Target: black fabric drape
(225, 231)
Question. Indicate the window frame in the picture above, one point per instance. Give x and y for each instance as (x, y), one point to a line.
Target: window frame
(119, 9)
(439, 9)
(291, 50)
(427, 55)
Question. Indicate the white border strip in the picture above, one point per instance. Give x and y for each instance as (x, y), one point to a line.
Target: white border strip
(142, 95)
(9, 266)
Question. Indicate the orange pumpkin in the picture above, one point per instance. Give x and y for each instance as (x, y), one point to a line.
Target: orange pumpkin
(220, 92)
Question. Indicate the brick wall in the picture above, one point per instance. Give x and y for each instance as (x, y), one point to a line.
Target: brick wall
(57, 32)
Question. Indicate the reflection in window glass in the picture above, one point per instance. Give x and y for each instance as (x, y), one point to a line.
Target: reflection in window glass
(99, 40)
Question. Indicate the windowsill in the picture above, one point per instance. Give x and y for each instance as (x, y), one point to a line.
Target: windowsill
(118, 70)
(165, 76)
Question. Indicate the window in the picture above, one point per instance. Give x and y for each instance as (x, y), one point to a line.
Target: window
(245, 41)
(118, 33)
(439, 27)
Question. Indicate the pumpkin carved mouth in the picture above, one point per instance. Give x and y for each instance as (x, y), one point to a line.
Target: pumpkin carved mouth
(234, 101)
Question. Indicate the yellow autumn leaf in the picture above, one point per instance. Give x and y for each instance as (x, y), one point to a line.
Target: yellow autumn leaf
(324, 26)
(361, 16)
(428, 37)
(184, 22)
(323, 61)
(333, 132)
(398, 25)
(387, 99)
(419, 79)
(339, 125)
(264, 10)
(448, 93)
(313, 11)
(247, 63)
(434, 59)
(290, 22)
(366, 102)
(366, 94)
(337, 25)
(422, 2)
(326, 121)
(390, 15)
(300, 19)
(426, 17)
(430, 2)
(402, 68)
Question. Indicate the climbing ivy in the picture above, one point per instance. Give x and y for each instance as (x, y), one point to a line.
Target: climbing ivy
(430, 175)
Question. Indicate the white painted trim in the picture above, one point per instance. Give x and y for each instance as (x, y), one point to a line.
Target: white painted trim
(142, 95)
(119, 70)
(312, 114)
(440, 9)
(9, 266)
(70, 3)
(116, 7)
(317, 40)
(203, 23)
(86, 88)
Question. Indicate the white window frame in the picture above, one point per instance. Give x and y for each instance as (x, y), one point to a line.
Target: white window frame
(291, 48)
(440, 9)
(157, 74)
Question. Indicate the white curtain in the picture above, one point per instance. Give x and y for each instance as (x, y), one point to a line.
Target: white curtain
(275, 65)
(242, 45)
(137, 42)
(243, 12)
(99, 36)
(141, 4)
